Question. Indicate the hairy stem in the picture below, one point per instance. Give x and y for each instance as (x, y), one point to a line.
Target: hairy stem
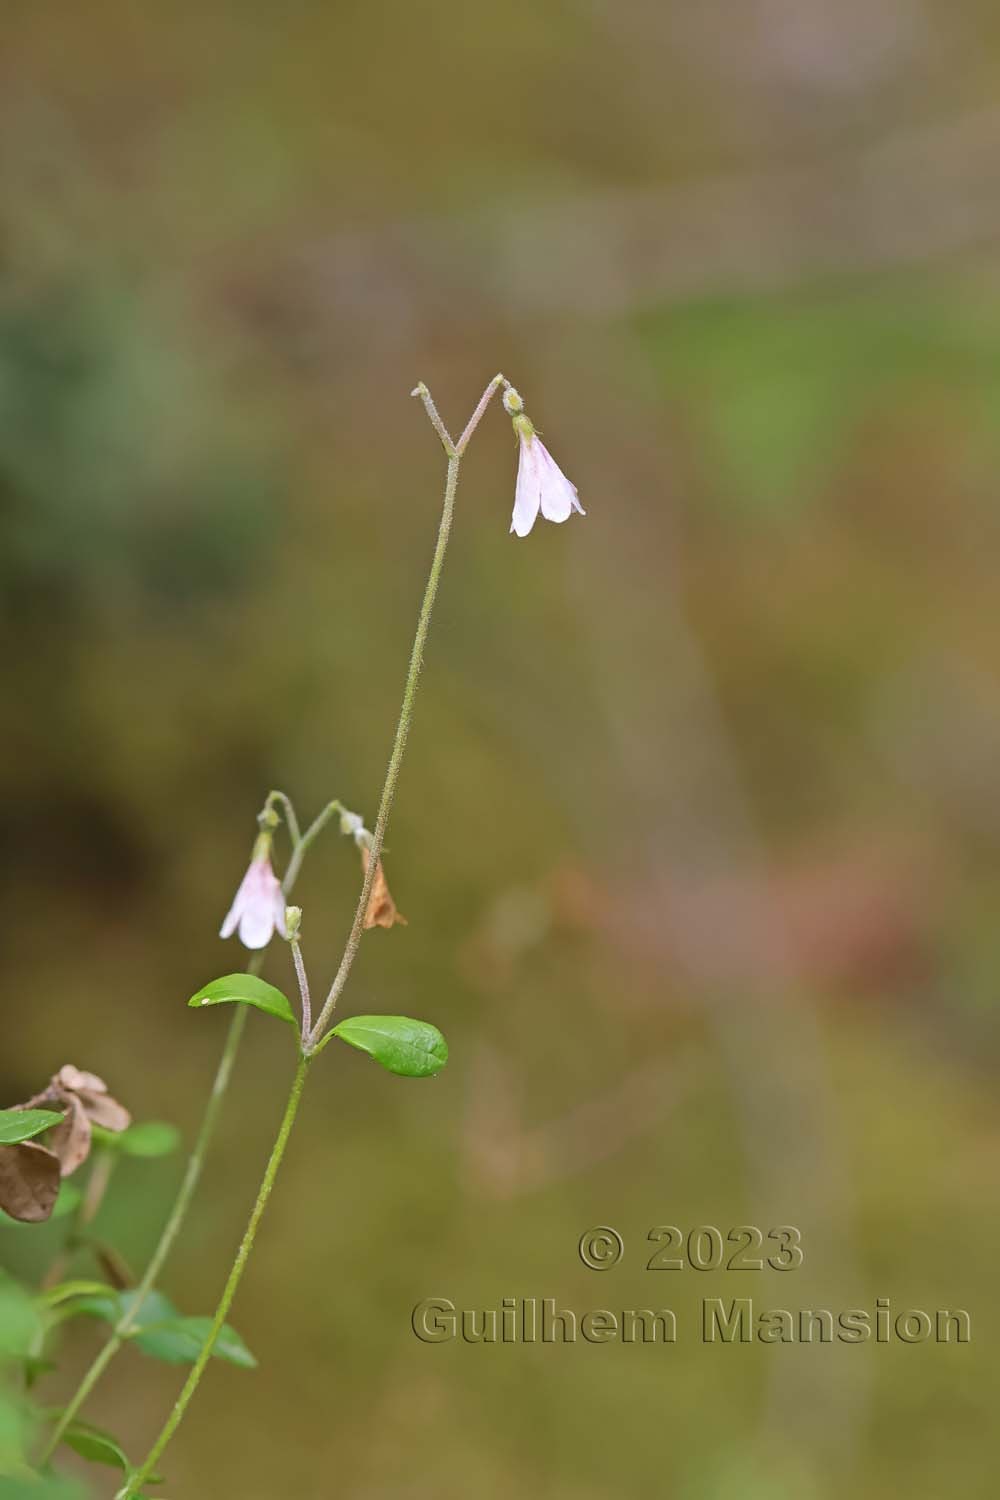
(310, 1043)
(192, 1172)
(303, 980)
(171, 1229)
(474, 420)
(232, 1282)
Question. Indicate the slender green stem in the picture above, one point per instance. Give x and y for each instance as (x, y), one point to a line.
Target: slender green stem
(435, 419)
(310, 1043)
(290, 817)
(474, 420)
(302, 847)
(171, 1229)
(196, 1161)
(232, 1282)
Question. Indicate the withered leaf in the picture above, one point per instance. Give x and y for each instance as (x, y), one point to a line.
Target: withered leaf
(381, 910)
(71, 1139)
(85, 1099)
(101, 1108)
(29, 1181)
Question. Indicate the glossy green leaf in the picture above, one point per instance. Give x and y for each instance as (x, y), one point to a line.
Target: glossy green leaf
(179, 1341)
(245, 989)
(413, 1049)
(24, 1124)
(149, 1138)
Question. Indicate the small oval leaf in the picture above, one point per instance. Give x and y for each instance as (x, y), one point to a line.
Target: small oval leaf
(96, 1445)
(179, 1341)
(245, 989)
(413, 1049)
(23, 1124)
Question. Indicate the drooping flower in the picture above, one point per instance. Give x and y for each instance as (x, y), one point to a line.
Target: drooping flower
(541, 484)
(258, 907)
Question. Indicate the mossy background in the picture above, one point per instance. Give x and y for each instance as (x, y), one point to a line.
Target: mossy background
(699, 830)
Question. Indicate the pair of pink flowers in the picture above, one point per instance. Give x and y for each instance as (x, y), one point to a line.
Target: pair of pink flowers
(541, 484)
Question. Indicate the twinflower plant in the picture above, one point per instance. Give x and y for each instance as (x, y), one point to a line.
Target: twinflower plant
(76, 1117)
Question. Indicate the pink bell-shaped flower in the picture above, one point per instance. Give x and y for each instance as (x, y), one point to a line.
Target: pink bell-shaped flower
(258, 907)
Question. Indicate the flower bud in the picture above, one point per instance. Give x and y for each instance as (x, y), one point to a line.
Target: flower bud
(293, 921)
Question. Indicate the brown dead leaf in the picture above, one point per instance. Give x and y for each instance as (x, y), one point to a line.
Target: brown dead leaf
(85, 1100)
(29, 1181)
(70, 1140)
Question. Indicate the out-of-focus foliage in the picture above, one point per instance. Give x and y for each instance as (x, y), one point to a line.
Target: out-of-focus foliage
(701, 795)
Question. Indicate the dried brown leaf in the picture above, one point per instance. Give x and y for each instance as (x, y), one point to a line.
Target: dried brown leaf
(29, 1181)
(70, 1140)
(381, 910)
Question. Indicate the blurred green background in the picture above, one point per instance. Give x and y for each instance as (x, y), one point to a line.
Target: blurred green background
(698, 833)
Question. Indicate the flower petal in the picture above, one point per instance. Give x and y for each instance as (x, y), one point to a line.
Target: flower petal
(256, 927)
(528, 494)
(558, 495)
(258, 907)
(236, 910)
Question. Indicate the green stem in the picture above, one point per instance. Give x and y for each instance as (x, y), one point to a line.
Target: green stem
(302, 847)
(229, 1291)
(196, 1160)
(309, 1044)
(290, 817)
(171, 1229)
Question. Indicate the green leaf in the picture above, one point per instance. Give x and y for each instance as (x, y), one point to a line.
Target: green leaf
(179, 1341)
(413, 1049)
(245, 989)
(111, 1306)
(159, 1330)
(95, 1445)
(149, 1138)
(23, 1124)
